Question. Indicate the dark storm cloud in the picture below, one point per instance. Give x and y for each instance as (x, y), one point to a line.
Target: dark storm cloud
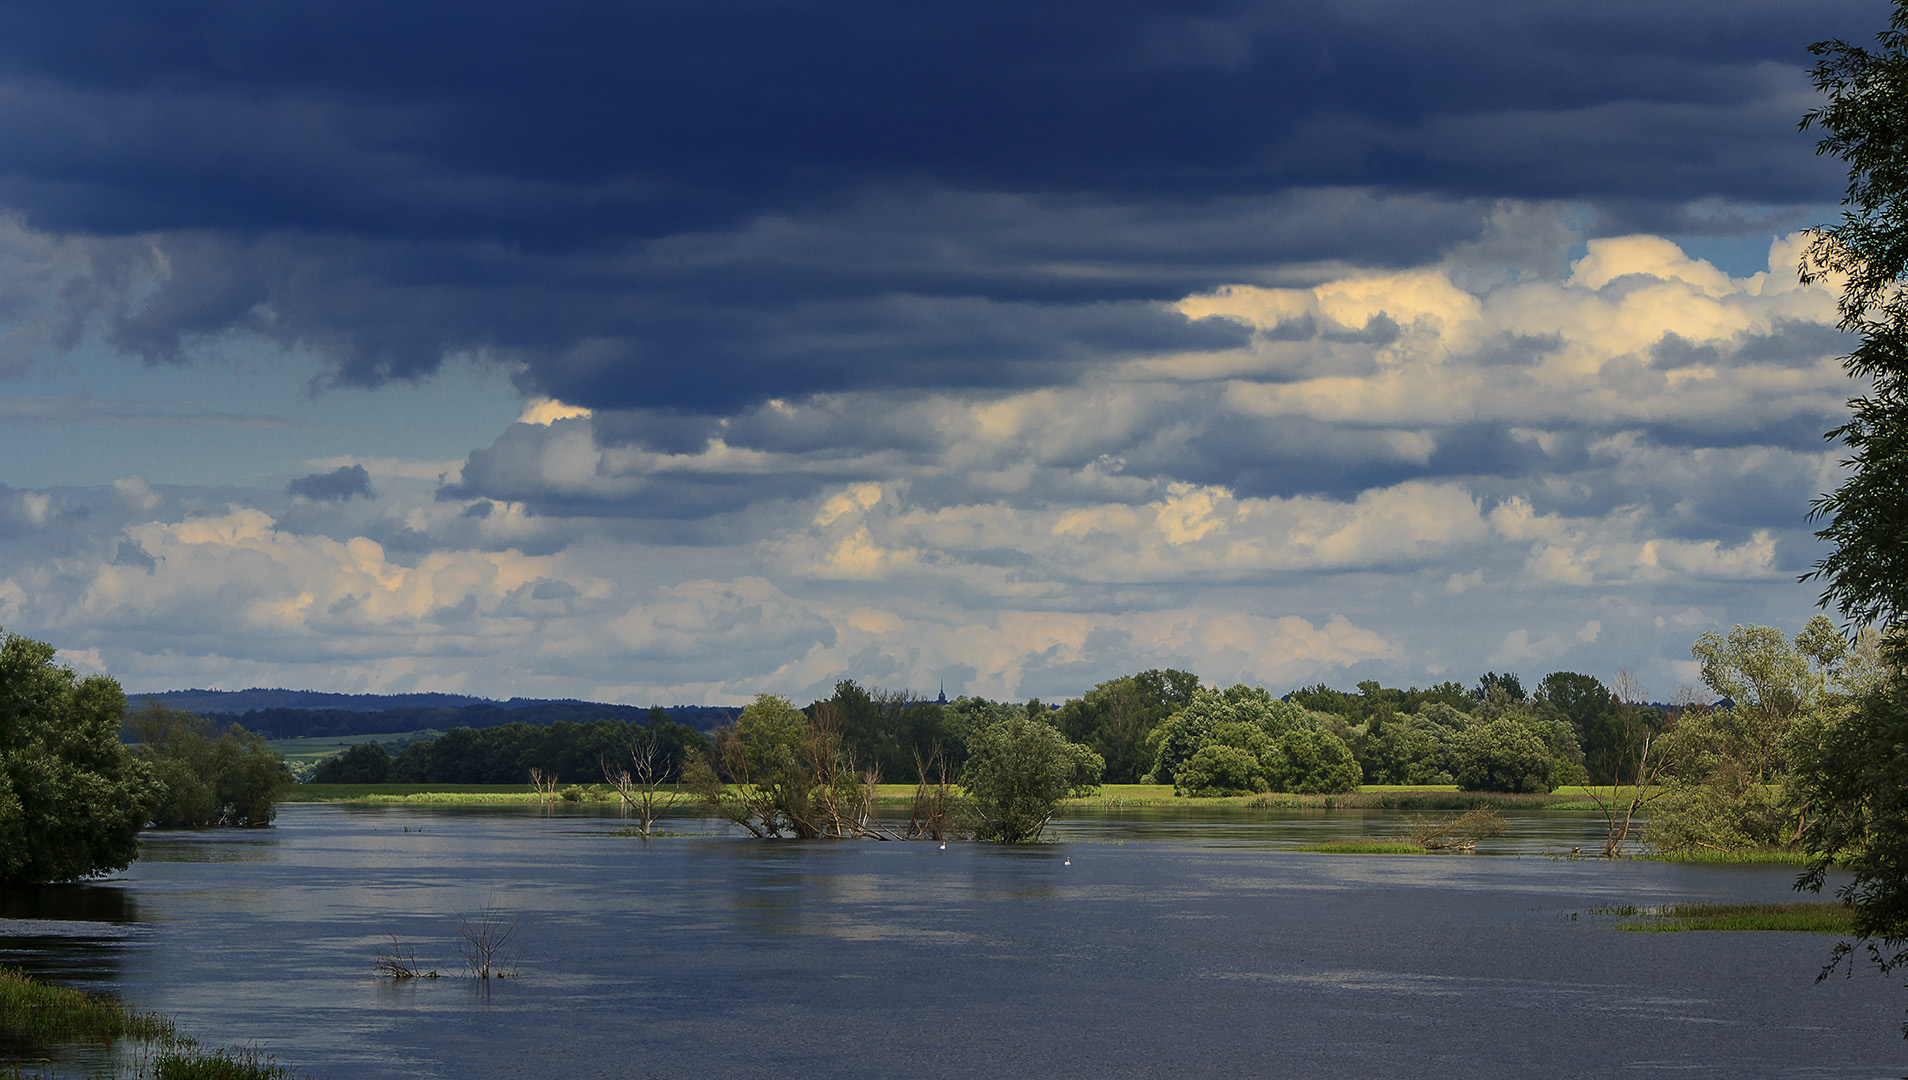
(696, 206)
(340, 484)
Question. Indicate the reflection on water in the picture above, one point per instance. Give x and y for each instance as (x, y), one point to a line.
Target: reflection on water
(1185, 940)
(70, 934)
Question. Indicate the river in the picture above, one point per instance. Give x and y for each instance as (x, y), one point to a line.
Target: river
(1178, 941)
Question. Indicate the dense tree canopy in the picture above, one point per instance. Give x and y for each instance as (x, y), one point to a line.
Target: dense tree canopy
(365, 763)
(1503, 755)
(1116, 717)
(505, 754)
(1852, 785)
(231, 779)
(72, 797)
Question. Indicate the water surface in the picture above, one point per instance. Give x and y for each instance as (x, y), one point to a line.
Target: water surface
(1181, 941)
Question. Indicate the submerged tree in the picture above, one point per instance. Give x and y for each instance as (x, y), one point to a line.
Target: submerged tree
(780, 771)
(1018, 770)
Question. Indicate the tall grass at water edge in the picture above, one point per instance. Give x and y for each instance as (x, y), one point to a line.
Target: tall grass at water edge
(1805, 916)
(38, 1019)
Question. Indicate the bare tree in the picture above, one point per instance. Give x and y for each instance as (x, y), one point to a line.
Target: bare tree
(938, 812)
(1619, 816)
(640, 786)
(545, 785)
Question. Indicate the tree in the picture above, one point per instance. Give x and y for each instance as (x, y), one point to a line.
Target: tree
(1727, 769)
(1853, 788)
(72, 797)
(1185, 731)
(640, 783)
(778, 770)
(1311, 762)
(1502, 755)
(365, 763)
(1018, 770)
(1116, 717)
(234, 779)
(1218, 769)
(1507, 684)
(1865, 575)
(1592, 713)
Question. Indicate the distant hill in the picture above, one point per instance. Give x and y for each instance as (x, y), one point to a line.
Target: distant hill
(207, 702)
(289, 714)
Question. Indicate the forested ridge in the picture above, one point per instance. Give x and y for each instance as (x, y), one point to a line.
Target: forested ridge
(302, 723)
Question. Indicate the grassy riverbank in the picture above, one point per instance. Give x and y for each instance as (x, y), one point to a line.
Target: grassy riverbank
(38, 1020)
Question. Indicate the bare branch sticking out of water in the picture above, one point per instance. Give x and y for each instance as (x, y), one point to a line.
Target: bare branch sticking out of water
(483, 940)
(1460, 833)
(401, 963)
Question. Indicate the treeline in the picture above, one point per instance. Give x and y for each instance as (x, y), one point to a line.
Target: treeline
(1162, 726)
(284, 723)
(1152, 726)
(505, 754)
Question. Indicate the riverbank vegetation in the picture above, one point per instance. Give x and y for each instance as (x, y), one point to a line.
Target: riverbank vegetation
(1813, 917)
(201, 780)
(42, 1019)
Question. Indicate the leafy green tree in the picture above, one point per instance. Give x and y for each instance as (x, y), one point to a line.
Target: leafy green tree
(1231, 760)
(1311, 762)
(1116, 717)
(1851, 778)
(72, 797)
(1865, 575)
(1186, 730)
(233, 779)
(365, 763)
(1413, 749)
(1852, 787)
(1757, 668)
(1018, 770)
(1589, 708)
(1502, 755)
(1218, 770)
(778, 770)
(1727, 768)
(1509, 685)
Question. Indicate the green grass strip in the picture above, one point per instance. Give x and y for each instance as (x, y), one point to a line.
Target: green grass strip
(1363, 847)
(1750, 855)
(217, 1065)
(1811, 917)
